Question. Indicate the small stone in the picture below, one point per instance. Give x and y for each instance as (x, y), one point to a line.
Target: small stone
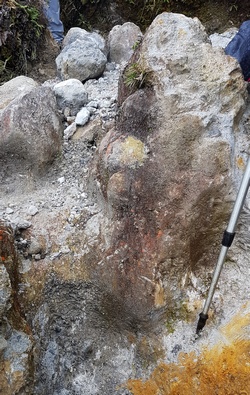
(103, 113)
(69, 131)
(66, 112)
(70, 120)
(110, 66)
(55, 255)
(32, 210)
(61, 180)
(93, 103)
(20, 223)
(64, 249)
(82, 116)
(34, 247)
(106, 103)
(9, 210)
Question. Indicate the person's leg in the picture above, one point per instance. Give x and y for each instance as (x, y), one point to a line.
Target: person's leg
(52, 11)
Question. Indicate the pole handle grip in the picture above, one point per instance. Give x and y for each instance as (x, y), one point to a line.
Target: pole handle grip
(228, 238)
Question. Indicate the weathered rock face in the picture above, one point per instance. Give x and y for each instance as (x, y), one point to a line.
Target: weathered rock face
(79, 342)
(166, 166)
(30, 132)
(101, 278)
(15, 334)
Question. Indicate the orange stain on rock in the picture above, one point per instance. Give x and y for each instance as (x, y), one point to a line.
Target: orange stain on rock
(159, 233)
(240, 163)
(223, 369)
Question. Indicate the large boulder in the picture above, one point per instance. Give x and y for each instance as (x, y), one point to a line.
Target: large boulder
(83, 56)
(76, 33)
(15, 87)
(122, 41)
(164, 170)
(30, 132)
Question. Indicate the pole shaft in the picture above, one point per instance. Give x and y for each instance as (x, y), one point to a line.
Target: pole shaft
(216, 275)
(240, 199)
(241, 196)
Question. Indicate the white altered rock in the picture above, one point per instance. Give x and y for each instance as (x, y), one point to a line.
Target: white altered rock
(61, 180)
(32, 210)
(82, 117)
(70, 95)
(9, 210)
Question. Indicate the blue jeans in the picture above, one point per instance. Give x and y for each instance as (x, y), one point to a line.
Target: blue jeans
(52, 12)
(239, 48)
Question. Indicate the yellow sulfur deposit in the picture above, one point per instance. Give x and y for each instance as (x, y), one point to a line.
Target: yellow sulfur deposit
(223, 369)
(132, 151)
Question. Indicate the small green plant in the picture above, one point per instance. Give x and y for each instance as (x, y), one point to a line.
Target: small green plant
(32, 13)
(136, 45)
(23, 26)
(135, 76)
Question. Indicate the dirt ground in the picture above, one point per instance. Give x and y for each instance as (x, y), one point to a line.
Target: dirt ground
(45, 68)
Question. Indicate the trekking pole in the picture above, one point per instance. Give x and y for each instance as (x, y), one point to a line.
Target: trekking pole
(227, 240)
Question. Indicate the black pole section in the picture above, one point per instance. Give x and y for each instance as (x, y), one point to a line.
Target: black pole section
(202, 322)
